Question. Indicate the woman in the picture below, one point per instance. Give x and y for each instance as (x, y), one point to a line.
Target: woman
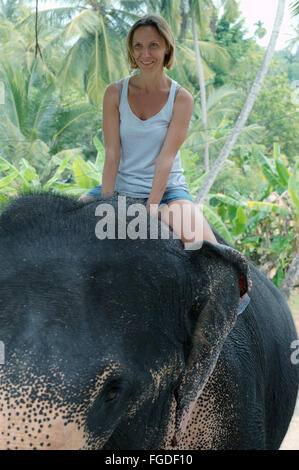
(145, 122)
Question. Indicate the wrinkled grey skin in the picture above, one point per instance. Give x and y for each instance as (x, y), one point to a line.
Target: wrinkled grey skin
(134, 344)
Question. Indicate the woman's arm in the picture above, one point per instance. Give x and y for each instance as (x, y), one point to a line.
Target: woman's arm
(111, 136)
(175, 137)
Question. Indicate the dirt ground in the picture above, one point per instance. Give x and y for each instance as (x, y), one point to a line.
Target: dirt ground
(291, 440)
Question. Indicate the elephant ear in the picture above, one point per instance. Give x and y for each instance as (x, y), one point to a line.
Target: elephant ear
(223, 277)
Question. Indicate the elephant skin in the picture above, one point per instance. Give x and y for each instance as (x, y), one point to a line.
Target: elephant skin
(124, 344)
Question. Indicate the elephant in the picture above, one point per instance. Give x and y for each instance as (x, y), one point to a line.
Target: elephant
(124, 343)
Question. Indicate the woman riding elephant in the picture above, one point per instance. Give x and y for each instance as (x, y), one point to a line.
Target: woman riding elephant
(145, 121)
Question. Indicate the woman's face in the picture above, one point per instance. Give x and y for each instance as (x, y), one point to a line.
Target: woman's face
(149, 48)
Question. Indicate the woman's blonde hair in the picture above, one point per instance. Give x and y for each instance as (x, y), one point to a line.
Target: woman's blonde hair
(163, 29)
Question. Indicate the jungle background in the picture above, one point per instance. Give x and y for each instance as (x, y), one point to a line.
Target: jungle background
(55, 66)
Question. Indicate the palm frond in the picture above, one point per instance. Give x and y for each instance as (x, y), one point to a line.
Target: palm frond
(86, 22)
(203, 10)
(70, 120)
(57, 17)
(295, 8)
(43, 110)
(183, 52)
(222, 96)
(213, 54)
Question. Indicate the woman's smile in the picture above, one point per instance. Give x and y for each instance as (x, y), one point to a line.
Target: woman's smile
(146, 63)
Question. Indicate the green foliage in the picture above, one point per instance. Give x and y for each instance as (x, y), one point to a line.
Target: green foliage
(281, 118)
(267, 229)
(67, 172)
(231, 36)
(257, 210)
(289, 63)
(38, 119)
(276, 108)
(260, 32)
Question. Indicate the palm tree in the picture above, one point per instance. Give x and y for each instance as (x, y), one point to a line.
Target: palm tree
(93, 34)
(33, 121)
(221, 104)
(35, 118)
(260, 31)
(247, 107)
(201, 12)
(8, 8)
(231, 10)
(169, 9)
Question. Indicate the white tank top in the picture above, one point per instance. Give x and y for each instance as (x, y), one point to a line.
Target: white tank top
(141, 142)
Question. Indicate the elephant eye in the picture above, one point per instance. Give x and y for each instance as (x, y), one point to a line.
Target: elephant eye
(112, 394)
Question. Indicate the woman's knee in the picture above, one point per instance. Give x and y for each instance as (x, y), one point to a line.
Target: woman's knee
(183, 217)
(187, 221)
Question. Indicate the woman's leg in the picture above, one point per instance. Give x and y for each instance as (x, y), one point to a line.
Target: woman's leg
(185, 218)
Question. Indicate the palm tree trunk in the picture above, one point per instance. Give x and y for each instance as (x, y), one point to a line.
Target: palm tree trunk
(202, 88)
(184, 21)
(256, 87)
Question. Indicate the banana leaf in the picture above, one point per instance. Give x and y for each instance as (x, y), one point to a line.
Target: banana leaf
(6, 180)
(283, 174)
(239, 222)
(230, 201)
(63, 165)
(267, 207)
(293, 188)
(84, 174)
(218, 224)
(269, 171)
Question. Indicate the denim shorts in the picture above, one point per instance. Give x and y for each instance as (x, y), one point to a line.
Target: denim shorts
(169, 195)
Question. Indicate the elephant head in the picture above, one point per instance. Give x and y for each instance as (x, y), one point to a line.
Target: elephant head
(108, 343)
